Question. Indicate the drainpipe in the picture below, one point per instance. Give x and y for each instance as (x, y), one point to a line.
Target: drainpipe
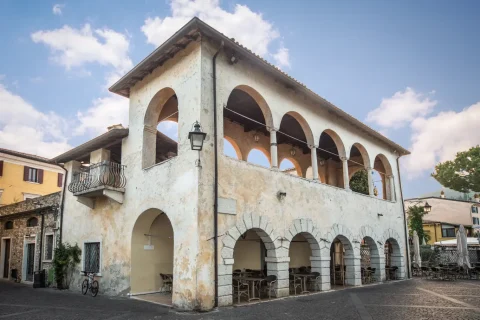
(404, 219)
(215, 183)
(62, 204)
(41, 242)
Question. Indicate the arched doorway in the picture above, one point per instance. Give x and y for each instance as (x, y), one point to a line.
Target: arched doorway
(370, 261)
(330, 153)
(160, 133)
(152, 266)
(384, 173)
(304, 259)
(342, 267)
(394, 268)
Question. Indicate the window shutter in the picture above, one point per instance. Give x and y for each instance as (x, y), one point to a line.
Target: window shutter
(1, 168)
(40, 176)
(25, 173)
(60, 180)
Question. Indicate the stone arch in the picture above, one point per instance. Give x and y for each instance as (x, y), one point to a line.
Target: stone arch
(277, 255)
(384, 168)
(159, 103)
(235, 147)
(377, 258)
(351, 245)
(263, 150)
(397, 257)
(296, 165)
(363, 153)
(305, 126)
(338, 142)
(267, 113)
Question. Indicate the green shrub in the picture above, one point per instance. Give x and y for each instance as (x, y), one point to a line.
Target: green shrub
(65, 259)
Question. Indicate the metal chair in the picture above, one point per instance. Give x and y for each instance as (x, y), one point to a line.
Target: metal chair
(167, 282)
(270, 285)
(315, 280)
(295, 282)
(240, 288)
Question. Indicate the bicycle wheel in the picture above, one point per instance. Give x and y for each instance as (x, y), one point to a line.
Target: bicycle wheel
(94, 288)
(85, 286)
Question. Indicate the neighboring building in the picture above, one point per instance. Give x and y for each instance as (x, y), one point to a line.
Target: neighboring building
(28, 233)
(446, 215)
(139, 204)
(25, 176)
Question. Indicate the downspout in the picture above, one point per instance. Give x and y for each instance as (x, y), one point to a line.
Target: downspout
(404, 219)
(215, 183)
(42, 225)
(62, 205)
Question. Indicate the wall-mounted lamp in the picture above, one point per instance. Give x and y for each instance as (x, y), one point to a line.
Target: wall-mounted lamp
(256, 137)
(293, 151)
(427, 208)
(281, 195)
(356, 241)
(196, 137)
(380, 243)
(321, 162)
(379, 214)
(325, 240)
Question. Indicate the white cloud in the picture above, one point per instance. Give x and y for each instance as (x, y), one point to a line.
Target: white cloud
(247, 27)
(104, 112)
(440, 137)
(76, 47)
(24, 128)
(282, 57)
(57, 9)
(402, 108)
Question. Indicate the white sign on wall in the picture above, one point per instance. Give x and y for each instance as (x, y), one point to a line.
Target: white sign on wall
(227, 206)
(148, 247)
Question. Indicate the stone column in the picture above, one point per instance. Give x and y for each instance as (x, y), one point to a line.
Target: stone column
(322, 265)
(353, 275)
(392, 188)
(397, 260)
(346, 180)
(273, 148)
(378, 262)
(313, 151)
(279, 268)
(370, 181)
(225, 289)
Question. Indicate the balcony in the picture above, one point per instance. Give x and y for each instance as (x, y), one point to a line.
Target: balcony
(105, 178)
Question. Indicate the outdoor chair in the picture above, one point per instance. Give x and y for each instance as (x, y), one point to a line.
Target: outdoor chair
(315, 280)
(393, 272)
(240, 288)
(435, 273)
(416, 271)
(294, 283)
(167, 282)
(371, 274)
(425, 272)
(270, 285)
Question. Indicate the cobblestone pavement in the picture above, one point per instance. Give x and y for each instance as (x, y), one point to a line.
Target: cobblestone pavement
(413, 299)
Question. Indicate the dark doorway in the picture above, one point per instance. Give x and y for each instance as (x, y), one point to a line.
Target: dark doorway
(6, 258)
(30, 261)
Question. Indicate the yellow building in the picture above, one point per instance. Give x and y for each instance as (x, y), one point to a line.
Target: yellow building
(446, 216)
(25, 176)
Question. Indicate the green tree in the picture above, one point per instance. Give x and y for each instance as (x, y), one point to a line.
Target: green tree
(65, 259)
(415, 222)
(359, 182)
(461, 174)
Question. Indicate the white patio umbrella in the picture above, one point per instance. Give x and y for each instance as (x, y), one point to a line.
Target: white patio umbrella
(459, 248)
(464, 252)
(416, 249)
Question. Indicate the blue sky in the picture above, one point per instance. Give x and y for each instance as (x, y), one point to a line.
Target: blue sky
(409, 68)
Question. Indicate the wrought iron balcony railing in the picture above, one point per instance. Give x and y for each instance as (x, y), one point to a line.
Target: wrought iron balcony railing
(103, 174)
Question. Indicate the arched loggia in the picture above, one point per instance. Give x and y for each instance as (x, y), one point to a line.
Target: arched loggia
(331, 156)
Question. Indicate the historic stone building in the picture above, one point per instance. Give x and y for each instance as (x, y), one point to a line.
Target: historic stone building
(28, 233)
(141, 204)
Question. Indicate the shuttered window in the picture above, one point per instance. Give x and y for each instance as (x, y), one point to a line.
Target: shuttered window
(48, 247)
(1, 168)
(60, 180)
(92, 257)
(32, 175)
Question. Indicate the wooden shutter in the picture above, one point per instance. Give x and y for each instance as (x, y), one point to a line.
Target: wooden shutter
(40, 175)
(25, 173)
(1, 168)
(60, 180)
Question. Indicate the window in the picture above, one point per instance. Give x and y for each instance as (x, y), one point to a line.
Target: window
(8, 225)
(91, 257)
(475, 220)
(32, 222)
(60, 180)
(448, 231)
(1, 168)
(474, 209)
(48, 247)
(32, 175)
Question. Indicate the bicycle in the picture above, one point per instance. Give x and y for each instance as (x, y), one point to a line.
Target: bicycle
(90, 283)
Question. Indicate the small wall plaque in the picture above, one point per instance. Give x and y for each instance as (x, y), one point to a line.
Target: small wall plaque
(148, 247)
(227, 206)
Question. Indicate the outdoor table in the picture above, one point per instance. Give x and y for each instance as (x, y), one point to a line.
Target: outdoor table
(305, 276)
(253, 280)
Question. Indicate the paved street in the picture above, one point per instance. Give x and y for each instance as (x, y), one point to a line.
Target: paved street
(414, 299)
